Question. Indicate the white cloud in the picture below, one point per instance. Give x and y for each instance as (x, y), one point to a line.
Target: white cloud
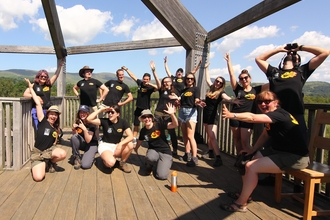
(171, 50)
(124, 27)
(153, 30)
(12, 12)
(237, 38)
(79, 25)
(211, 55)
(152, 52)
(293, 28)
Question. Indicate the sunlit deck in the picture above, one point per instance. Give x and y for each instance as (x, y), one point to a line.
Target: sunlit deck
(99, 193)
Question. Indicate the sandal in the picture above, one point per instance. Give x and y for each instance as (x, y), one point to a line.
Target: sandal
(235, 195)
(233, 207)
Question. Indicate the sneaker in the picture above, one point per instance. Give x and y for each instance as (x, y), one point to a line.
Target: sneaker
(267, 181)
(217, 162)
(193, 162)
(124, 167)
(51, 167)
(77, 163)
(186, 157)
(134, 140)
(208, 155)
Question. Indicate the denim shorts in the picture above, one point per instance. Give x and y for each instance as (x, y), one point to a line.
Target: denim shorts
(188, 114)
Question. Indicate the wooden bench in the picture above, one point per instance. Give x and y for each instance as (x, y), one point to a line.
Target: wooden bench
(315, 173)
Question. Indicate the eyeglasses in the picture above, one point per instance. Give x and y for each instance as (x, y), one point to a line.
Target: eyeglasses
(146, 116)
(245, 78)
(259, 102)
(111, 112)
(189, 78)
(43, 77)
(218, 81)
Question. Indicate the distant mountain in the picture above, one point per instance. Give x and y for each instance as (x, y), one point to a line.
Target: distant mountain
(313, 88)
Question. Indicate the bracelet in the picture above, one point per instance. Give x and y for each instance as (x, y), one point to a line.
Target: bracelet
(235, 115)
(300, 47)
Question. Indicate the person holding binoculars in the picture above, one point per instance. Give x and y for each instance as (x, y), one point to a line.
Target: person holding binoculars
(287, 80)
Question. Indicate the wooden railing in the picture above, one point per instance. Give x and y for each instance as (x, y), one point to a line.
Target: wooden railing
(17, 133)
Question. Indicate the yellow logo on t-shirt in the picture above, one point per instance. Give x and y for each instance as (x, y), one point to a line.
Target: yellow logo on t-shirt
(179, 80)
(188, 94)
(54, 134)
(144, 90)
(119, 88)
(119, 130)
(294, 121)
(290, 74)
(250, 96)
(91, 84)
(45, 89)
(155, 134)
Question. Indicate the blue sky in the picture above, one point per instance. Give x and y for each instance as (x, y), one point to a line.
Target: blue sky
(85, 22)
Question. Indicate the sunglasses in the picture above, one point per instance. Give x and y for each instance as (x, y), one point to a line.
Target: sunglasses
(111, 112)
(146, 116)
(218, 81)
(43, 77)
(189, 78)
(243, 78)
(259, 102)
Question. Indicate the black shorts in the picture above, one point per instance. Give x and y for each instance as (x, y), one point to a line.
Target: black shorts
(210, 119)
(137, 114)
(240, 124)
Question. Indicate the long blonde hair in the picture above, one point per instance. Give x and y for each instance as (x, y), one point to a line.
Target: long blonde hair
(214, 93)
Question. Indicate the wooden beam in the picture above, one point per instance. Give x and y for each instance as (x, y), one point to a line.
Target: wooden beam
(177, 19)
(123, 46)
(257, 12)
(26, 49)
(54, 27)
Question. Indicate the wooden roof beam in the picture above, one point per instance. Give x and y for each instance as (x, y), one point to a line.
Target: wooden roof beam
(124, 46)
(177, 19)
(54, 27)
(26, 49)
(257, 12)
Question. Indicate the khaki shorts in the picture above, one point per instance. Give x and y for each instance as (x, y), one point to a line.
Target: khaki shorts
(38, 156)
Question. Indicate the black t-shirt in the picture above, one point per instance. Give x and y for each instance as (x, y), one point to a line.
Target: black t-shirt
(92, 128)
(285, 132)
(113, 133)
(288, 85)
(46, 135)
(247, 98)
(116, 91)
(143, 96)
(178, 83)
(44, 92)
(212, 105)
(88, 91)
(164, 99)
(156, 137)
(188, 97)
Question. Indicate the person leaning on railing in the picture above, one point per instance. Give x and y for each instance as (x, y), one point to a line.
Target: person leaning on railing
(44, 155)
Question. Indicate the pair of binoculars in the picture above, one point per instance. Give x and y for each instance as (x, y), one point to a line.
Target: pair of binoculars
(291, 46)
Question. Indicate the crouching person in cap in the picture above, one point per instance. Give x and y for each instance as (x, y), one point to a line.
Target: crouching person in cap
(113, 145)
(159, 152)
(84, 139)
(44, 155)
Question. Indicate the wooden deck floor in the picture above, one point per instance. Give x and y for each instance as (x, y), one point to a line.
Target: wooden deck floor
(100, 193)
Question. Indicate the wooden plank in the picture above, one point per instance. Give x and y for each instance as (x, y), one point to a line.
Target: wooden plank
(54, 26)
(257, 12)
(177, 19)
(26, 49)
(124, 46)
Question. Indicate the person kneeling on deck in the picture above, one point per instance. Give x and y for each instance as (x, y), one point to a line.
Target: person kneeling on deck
(44, 155)
(113, 145)
(159, 151)
(83, 138)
